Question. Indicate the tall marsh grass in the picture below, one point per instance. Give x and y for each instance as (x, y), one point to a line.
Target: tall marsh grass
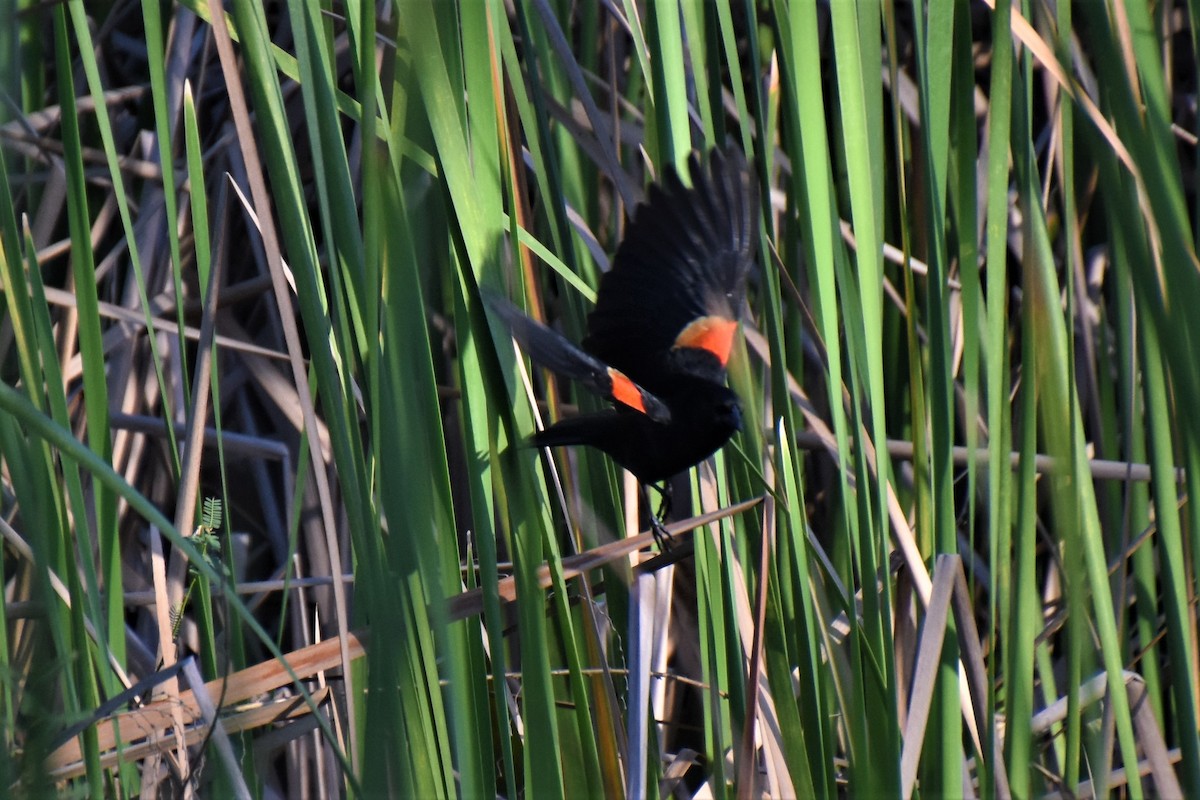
(268, 527)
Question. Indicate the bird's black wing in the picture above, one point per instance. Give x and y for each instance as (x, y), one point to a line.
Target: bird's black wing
(678, 282)
(557, 354)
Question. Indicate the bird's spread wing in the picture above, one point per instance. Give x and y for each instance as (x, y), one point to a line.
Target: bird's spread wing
(678, 281)
(559, 355)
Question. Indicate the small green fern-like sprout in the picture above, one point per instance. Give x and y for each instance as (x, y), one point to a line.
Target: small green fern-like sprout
(205, 539)
(210, 517)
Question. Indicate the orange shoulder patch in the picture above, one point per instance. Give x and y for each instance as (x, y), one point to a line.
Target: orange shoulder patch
(713, 333)
(625, 391)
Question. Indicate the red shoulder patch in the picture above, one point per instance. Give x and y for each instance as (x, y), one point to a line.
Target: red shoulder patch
(712, 333)
(625, 391)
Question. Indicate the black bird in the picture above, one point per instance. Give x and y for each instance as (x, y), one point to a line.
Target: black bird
(660, 335)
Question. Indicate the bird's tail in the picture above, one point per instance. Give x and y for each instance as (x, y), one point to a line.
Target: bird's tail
(593, 429)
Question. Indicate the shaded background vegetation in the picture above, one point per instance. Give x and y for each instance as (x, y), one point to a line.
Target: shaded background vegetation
(255, 424)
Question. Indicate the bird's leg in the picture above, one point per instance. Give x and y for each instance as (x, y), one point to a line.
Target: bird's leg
(662, 537)
(664, 505)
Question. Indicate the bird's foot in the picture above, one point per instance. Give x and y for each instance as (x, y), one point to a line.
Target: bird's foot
(664, 501)
(662, 536)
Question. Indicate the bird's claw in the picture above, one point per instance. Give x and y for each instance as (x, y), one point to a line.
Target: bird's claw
(662, 536)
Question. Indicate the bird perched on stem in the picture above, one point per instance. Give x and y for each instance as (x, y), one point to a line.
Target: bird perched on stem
(660, 336)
